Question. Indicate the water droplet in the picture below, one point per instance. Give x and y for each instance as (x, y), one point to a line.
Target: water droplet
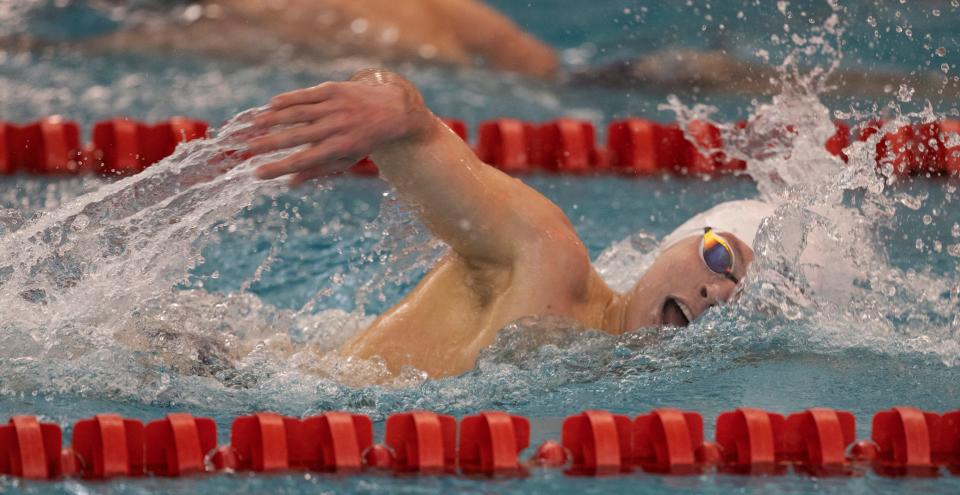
(955, 230)
(941, 51)
(905, 93)
(954, 250)
(872, 21)
(215, 275)
(359, 25)
(927, 219)
(936, 12)
(193, 13)
(919, 244)
(945, 67)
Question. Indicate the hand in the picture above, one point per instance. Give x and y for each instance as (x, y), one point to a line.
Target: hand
(341, 122)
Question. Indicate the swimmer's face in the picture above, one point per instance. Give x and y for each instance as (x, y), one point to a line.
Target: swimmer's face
(679, 286)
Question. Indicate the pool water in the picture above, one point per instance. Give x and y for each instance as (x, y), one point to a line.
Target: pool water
(146, 296)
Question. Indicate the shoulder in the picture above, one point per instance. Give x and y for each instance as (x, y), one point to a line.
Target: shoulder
(554, 252)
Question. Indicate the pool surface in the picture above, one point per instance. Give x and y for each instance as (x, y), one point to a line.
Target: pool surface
(225, 296)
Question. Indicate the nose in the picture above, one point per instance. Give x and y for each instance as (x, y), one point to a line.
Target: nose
(715, 293)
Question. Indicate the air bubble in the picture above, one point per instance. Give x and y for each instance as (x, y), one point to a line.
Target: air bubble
(941, 51)
(872, 21)
(927, 219)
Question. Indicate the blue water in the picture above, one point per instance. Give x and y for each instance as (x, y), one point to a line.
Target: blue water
(290, 260)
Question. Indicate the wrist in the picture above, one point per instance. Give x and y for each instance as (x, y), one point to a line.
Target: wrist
(414, 121)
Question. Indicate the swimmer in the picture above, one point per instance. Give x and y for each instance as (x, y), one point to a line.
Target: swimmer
(512, 252)
(448, 33)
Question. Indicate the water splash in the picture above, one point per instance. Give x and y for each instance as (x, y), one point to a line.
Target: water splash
(824, 258)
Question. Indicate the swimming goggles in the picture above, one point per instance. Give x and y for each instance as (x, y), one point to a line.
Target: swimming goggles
(717, 254)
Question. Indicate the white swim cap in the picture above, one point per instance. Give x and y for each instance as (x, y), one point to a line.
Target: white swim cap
(741, 218)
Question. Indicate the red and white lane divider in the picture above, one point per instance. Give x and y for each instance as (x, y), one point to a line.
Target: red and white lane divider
(634, 147)
(905, 441)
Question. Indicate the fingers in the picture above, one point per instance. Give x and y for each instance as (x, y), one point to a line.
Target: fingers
(295, 114)
(315, 94)
(327, 155)
(288, 138)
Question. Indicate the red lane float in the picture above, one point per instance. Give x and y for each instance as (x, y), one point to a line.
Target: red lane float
(507, 144)
(31, 449)
(120, 146)
(948, 449)
(337, 441)
(816, 440)
(567, 145)
(178, 444)
(904, 438)
(751, 441)
(913, 149)
(634, 146)
(51, 146)
(126, 147)
(599, 443)
(671, 441)
(422, 441)
(46, 147)
(164, 137)
(491, 441)
(262, 442)
(109, 446)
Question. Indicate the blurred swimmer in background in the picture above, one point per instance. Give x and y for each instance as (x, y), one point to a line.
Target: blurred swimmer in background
(453, 33)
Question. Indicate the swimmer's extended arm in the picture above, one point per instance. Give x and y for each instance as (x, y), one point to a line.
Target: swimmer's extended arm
(503, 44)
(485, 216)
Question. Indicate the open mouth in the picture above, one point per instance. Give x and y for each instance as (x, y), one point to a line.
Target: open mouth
(675, 313)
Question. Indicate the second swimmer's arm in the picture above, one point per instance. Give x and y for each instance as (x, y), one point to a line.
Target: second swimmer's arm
(485, 216)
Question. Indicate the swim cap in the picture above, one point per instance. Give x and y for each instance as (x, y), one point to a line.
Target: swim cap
(741, 218)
